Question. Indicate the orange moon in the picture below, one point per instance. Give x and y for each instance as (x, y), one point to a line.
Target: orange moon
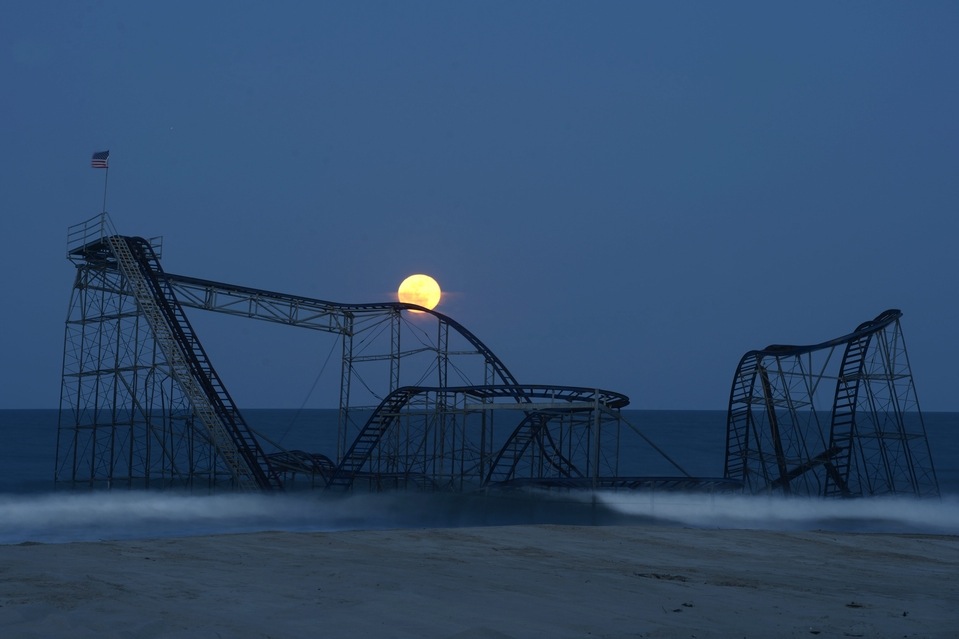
(421, 290)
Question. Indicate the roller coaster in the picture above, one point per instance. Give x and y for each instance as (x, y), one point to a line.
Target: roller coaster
(423, 402)
(425, 405)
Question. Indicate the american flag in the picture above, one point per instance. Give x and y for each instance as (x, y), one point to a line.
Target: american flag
(99, 160)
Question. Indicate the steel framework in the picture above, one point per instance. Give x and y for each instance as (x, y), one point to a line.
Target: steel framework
(423, 402)
(840, 418)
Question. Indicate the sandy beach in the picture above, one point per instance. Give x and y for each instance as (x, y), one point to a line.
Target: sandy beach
(491, 582)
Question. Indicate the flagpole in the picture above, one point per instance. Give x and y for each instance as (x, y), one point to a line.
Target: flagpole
(106, 176)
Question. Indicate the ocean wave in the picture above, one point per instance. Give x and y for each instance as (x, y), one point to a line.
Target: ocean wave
(894, 514)
(66, 517)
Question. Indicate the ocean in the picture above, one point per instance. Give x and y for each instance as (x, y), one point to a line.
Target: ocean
(31, 509)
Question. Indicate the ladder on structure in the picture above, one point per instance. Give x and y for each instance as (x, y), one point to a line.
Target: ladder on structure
(739, 418)
(842, 433)
(190, 367)
(369, 437)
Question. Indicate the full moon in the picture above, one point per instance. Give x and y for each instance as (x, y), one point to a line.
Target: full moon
(421, 290)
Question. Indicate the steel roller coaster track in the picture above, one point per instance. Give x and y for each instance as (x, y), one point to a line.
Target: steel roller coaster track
(424, 404)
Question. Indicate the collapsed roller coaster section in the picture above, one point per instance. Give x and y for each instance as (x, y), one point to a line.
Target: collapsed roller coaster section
(423, 402)
(840, 418)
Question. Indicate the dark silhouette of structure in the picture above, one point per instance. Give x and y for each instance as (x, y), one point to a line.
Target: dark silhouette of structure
(424, 404)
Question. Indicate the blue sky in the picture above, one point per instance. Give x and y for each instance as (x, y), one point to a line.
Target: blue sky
(622, 195)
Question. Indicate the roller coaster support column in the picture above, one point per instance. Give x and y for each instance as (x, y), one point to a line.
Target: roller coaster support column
(594, 470)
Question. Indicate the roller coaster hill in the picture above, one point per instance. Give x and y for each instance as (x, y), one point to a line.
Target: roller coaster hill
(425, 405)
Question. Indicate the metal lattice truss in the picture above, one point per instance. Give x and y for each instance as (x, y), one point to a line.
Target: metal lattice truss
(839, 418)
(423, 402)
(122, 416)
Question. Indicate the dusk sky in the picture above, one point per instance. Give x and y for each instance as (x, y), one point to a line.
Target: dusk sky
(624, 195)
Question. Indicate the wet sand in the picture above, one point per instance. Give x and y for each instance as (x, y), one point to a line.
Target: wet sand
(491, 582)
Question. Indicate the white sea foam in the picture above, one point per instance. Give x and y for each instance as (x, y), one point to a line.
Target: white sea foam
(63, 517)
(875, 514)
(81, 516)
